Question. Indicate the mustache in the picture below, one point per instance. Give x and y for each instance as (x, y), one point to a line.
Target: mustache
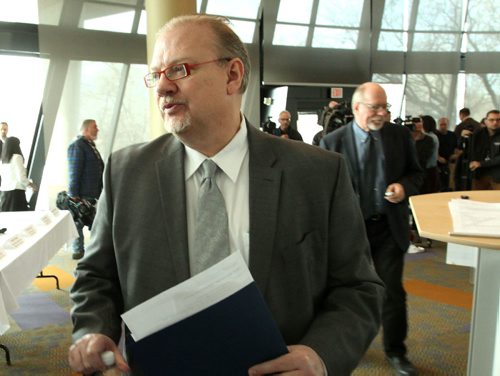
(168, 102)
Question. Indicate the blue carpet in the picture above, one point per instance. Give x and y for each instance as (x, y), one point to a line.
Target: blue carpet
(37, 310)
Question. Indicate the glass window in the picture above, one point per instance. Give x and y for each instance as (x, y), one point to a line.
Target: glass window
(295, 11)
(391, 41)
(439, 15)
(428, 94)
(436, 42)
(107, 18)
(133, 125)
(18, 107)
(483, 42)
(395, 14)
(19, 11)
(339, 13)
(244, 29)
(335, 38)
(231, 8)
(290, 35)
(483, 15)
(143, 23)
(481, 93)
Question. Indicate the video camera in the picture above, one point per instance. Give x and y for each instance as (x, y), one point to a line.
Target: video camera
(408, 122)
(83, 211)
(333, 118)
(269, 126)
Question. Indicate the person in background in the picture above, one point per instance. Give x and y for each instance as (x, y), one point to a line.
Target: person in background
(291, 212)
(384, 172)
(447, 146)
(463, 132)
(4, 130)
(285, 130)
(431, 180)
(14, 177)
(485, 154)
(85, 167)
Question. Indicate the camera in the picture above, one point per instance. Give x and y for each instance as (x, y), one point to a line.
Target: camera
(83, 211)
(269, 126)
(333, 118)
(408, 122)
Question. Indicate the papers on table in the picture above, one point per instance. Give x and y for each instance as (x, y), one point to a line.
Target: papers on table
(475, 218)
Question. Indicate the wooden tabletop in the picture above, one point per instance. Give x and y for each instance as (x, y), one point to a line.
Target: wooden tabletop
(433, 219)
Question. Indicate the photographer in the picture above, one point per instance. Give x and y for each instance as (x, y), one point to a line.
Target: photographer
(331, 118)
(485, 154)
(85, 175)
(464, 131)
(285, 130)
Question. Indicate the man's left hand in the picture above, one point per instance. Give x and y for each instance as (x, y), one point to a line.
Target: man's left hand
(301, 360)
(395, 193)
(474, 165)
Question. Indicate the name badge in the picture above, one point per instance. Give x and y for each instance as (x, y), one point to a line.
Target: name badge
(46, 220)
(30, 230)
(15, 241)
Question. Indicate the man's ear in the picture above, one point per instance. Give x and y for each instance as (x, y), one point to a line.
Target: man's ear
(235, 71)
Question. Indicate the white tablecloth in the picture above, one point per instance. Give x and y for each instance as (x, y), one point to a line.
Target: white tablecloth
(31, 240)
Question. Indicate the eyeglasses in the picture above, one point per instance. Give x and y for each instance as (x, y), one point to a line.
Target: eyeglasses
(377, 107)
(176, 72)
(493, 120)
(285, 119)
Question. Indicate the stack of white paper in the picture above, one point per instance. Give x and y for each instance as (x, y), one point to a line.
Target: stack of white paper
(475, 218)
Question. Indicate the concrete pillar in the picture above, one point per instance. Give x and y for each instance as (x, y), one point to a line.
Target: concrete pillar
(158, 13)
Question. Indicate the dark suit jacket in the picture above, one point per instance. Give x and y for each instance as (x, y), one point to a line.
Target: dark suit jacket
(308, 250)
(401, 166)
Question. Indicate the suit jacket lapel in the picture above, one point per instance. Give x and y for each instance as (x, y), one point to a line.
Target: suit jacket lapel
(265, 181)
(171, 187)
(351, 154)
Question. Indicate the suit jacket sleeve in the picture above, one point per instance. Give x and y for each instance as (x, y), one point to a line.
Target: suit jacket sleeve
(350, 312)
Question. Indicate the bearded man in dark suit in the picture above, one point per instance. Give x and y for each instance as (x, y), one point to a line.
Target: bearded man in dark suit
(384, 171)
(291, 210)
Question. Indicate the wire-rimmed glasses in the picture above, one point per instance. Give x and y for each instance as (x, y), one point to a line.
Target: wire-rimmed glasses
(377, 107)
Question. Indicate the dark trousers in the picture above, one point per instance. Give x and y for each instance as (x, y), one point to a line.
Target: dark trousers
(388, 259)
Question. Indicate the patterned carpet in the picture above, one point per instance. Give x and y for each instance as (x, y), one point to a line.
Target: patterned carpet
(439, 299)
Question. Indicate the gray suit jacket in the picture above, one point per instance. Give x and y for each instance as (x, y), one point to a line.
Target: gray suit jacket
(308, 249)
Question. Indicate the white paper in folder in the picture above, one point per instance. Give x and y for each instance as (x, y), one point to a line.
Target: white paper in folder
(475, 218)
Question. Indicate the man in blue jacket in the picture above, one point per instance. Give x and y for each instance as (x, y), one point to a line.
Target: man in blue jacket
(85, 168)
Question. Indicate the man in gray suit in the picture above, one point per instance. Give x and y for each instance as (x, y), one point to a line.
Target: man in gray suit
(384, 170)
(292, 214)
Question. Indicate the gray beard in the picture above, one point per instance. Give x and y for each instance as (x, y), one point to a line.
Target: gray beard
(177, 126)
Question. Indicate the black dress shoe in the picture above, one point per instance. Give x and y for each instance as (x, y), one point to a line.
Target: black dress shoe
(402, 365)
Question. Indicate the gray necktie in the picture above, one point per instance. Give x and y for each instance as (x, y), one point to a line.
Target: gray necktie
(211, 242)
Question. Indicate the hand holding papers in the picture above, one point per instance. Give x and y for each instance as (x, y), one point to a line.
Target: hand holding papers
(215, 323)
(475, 218)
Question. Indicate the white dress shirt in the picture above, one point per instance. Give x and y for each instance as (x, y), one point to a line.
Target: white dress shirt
(233, 182)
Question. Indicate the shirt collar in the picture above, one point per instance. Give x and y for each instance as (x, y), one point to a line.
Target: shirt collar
(359, 133)
(229, 159)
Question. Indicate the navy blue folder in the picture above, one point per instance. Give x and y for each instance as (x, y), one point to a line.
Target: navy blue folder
(224, 339)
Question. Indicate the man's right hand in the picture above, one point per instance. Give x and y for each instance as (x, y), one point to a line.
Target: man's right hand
(85, 354)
